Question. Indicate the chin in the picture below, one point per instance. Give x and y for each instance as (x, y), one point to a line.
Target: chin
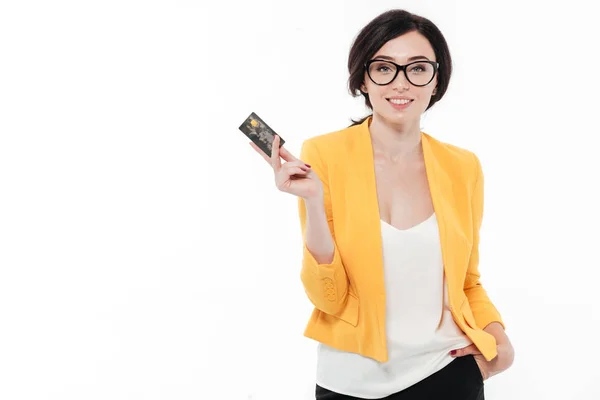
(395, 117)
(399, 119)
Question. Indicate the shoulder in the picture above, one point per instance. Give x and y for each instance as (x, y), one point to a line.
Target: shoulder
(327, 145)
(337, 137)
(450, 150)
(456, 160)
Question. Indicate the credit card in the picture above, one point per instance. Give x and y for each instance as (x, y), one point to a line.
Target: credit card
(260, 133)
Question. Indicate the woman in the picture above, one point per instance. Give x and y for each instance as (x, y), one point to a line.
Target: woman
(390, 218)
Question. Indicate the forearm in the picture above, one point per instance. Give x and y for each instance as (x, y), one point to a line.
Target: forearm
(506, 352)
(496, 330)
(318, 236)
(323, 274)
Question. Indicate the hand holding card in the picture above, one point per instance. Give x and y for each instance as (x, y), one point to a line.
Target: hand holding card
(260, 133)
(293, 176)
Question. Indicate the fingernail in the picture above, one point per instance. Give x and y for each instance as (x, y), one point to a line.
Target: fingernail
(307, 165)
(453, 352)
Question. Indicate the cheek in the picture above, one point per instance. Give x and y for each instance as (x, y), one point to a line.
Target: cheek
(376, 93)
(426, 93)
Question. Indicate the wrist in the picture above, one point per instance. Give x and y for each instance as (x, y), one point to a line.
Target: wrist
(314, 203)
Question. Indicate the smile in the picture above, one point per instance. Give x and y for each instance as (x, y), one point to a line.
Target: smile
(399, 101)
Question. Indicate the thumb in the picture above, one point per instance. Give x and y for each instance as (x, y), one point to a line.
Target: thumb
(471, 349)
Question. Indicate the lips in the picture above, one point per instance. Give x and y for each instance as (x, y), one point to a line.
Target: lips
(400, 104)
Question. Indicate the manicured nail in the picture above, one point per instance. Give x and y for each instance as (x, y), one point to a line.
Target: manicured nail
(307, 165)
(453, 352)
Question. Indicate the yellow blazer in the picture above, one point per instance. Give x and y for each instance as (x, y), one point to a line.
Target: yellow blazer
(348, 294)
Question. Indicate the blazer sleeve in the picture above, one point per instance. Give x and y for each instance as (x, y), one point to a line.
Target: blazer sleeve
(483, 309)
(326, 285)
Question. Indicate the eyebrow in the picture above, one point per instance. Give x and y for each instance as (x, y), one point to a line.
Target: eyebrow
(393, 59)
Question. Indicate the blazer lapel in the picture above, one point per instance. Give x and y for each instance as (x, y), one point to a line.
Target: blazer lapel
(363, 206)
(442, 196)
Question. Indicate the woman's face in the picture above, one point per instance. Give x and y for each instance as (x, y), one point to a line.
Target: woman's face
(390, 101)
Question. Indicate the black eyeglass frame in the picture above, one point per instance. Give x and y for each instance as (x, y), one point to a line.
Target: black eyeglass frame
(402, 68)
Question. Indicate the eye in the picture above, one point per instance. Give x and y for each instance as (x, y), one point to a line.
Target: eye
(419, 68)
(382, 67)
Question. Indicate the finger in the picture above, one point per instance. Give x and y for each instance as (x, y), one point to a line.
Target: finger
(275, 160)
(259, 151)
(296, 163)
(290, 169)
(288, 174)
(297, 171)
(471, 349)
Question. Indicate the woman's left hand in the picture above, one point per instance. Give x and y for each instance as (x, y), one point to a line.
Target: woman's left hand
(500, 363)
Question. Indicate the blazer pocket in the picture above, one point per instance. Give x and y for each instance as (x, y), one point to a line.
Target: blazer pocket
(349, 313)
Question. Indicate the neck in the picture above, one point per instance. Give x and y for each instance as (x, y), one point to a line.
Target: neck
(396, 142)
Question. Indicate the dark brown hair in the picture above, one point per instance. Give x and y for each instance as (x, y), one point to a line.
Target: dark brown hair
(388, 26)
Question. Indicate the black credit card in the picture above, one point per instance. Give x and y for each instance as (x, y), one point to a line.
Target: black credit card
(260, 133)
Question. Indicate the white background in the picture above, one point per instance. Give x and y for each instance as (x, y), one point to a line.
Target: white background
(145, 252)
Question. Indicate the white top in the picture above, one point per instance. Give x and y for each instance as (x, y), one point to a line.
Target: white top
(420, 328)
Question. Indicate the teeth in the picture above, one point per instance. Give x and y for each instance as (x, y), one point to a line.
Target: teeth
(399, 101)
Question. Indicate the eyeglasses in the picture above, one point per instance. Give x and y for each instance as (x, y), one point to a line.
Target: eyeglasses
(418, 73)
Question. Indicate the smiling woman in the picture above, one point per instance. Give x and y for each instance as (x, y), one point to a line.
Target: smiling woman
(390, 218)
(398, 36)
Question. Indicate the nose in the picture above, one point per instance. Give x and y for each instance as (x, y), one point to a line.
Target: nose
(400, 83)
